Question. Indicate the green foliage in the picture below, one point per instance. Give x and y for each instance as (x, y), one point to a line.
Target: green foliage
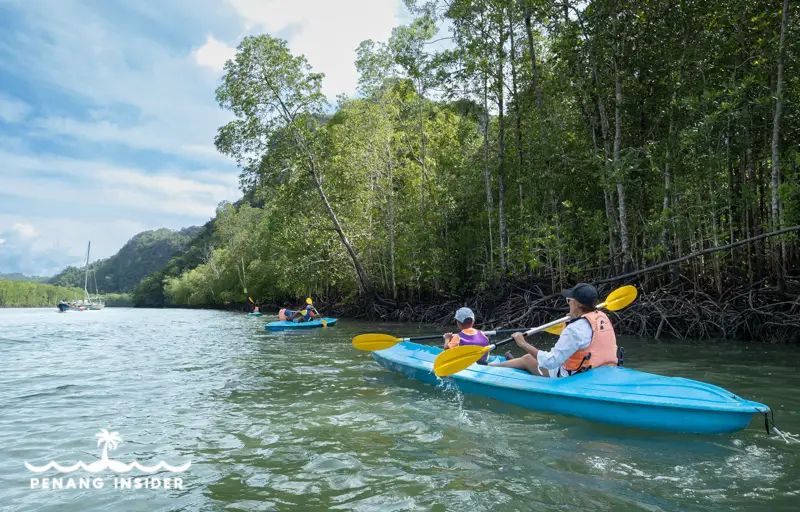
(412, 167)
(23, 294)
(118, 300)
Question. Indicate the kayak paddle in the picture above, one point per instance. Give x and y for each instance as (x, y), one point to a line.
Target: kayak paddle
(455, 359)
(371, 342)
(310, 303)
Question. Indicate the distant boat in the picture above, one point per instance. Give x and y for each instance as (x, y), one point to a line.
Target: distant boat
(65, 306)
(95, 303)
(88, 303)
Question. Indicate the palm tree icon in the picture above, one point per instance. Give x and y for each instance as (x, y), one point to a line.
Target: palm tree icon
(109, 439)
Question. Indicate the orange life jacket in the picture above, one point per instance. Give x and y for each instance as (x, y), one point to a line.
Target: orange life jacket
(603, 347)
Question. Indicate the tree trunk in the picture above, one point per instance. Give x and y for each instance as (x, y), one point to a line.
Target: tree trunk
(532, 50)
(608, 191)
(778, 258)
(623, 214)
(487, 173)
(501, 153)
(715, 238)
(366, 282)
(669, 224)
(391, 219)
(423, 163)
(518, 115)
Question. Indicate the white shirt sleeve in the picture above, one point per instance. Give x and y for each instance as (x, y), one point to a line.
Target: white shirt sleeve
(576, 336)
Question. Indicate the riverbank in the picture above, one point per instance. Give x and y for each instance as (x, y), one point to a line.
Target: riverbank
(742, 312)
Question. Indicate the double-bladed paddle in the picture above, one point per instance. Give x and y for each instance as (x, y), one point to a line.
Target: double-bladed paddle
(458, 358)
(371, 342)
(311, 303)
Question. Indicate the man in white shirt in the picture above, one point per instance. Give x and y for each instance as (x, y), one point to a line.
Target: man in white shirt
(577, 336)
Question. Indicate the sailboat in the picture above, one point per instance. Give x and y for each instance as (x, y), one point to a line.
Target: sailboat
(89, 303)
(95, 303)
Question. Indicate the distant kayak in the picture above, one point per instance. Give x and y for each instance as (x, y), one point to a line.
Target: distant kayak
(254, 313)
(612, 395)
(282, 325)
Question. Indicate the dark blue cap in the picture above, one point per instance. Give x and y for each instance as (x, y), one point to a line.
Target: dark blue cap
(584, 293)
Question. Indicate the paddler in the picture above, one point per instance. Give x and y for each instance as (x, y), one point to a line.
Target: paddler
(468, 335)
(588, 341)
(285, 313)
(303, 314)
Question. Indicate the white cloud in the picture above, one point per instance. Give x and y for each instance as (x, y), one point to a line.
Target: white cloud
(148, 135)
(12, 110)
(327, 32)
(143, 93)
(213, 54)
(100, 186)
(25, 230)
(62, 242)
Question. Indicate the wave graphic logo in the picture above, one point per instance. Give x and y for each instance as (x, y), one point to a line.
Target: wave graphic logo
(112, 440)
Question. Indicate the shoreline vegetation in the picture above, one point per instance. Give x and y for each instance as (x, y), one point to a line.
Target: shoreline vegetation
(646, 143)
(28, 294)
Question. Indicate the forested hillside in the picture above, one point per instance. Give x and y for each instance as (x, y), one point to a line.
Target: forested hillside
(145, 253)
(16, 276)
(549, 142)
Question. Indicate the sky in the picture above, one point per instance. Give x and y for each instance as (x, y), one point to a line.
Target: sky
(108, 111)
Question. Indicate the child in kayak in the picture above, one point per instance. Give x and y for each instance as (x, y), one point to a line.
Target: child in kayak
(465, 319)
(588, 341)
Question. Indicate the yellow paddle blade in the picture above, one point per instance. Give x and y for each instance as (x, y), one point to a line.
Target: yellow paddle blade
(324, 322)
(309, 301)
(370, 342)
(620, 298)
(251, 299)
(455, 359)
(556, 329)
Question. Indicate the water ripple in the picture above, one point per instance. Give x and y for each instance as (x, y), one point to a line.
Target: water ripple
(286, 421)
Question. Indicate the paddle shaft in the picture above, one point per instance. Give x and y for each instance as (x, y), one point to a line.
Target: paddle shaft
(556, 322)
(487, 333)
(531, 331)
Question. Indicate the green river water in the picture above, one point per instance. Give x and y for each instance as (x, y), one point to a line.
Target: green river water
(303, 421)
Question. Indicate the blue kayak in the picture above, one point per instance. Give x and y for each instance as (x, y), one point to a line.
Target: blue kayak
(283, 325)
(254, 313)
(612, 395)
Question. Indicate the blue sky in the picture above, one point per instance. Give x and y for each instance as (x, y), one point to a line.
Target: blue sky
(107, 111)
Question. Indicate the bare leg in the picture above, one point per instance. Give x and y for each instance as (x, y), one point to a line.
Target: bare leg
(526, 362)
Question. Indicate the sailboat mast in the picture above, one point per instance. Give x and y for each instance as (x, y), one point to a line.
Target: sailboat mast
(86, 279)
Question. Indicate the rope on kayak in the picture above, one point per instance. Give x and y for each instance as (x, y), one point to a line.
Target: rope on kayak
(787, 437)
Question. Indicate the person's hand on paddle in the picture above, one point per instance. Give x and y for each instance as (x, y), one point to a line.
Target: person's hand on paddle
(447, 337)
(519, 337)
